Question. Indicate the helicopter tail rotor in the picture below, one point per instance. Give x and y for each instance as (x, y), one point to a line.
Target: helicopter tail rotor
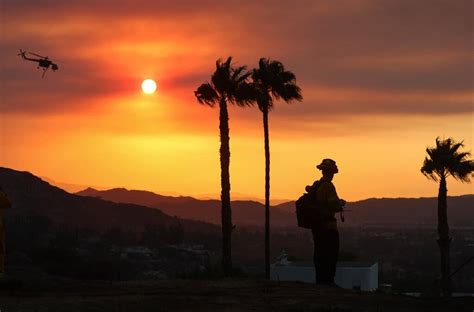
(22, 53)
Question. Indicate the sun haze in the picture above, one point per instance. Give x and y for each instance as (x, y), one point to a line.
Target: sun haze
(149, 86)
(376, 93)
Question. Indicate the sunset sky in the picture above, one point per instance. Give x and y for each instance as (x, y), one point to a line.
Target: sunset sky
(380, 79)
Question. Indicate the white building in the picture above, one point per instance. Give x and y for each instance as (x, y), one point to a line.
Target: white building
(349, 275)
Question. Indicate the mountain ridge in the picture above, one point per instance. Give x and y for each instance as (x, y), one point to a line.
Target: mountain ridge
(245, 212)
(362, 211)
(131, 208)
(30, 194)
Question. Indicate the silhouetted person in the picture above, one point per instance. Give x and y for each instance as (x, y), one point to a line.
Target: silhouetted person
(4, 204)
(325, 234)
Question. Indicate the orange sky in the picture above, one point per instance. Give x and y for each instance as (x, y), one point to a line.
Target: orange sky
(380, 82)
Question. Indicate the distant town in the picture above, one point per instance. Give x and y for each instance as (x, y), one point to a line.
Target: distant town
(47, 235)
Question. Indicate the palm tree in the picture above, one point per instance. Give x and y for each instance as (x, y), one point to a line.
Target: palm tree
(271, 82)
(228, 85)
(446, 160)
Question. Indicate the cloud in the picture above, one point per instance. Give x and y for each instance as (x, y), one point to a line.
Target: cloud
(402, 57)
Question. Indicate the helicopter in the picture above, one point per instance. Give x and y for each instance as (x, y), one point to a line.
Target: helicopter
(43, 61)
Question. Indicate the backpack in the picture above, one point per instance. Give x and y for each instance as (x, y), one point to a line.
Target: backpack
(307, 214)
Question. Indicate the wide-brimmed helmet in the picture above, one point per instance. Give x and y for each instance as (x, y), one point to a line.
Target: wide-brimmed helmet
(328, 165)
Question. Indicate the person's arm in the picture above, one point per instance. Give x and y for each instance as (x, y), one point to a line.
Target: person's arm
(310, 188)
(334, 203)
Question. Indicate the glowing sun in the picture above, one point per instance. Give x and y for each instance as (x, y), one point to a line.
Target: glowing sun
(149, 86)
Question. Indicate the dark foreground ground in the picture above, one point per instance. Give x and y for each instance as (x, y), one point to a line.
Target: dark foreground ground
(214, 295)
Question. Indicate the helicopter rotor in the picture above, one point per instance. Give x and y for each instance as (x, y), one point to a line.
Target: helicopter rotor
(45, 57)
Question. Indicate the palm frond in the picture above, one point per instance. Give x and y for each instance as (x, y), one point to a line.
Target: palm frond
(429, 169)
(206, 94)
(244, 94)
(445, 159)
(463, 171)
(458, 157)
(287, 76)
(271, 78)
(221, 76)
(243, 77)
(292, 93)
(455, 146)
(263, 62)
(228, 62)
(239, 73)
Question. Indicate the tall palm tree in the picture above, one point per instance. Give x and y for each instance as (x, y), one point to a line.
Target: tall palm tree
(446, 160)
(271, 82)
(228, 85)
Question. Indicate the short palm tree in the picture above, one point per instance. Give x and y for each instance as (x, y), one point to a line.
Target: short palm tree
(446, 160)
(271, 82)
(228, 85)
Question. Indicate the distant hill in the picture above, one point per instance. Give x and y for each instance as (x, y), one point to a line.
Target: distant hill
(31, 195)
(131, 209)
(405, 211)
(244, 212)
(391, 211)
(69, 187)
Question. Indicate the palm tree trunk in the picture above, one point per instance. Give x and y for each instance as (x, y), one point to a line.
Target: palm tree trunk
(267, 193)
(444, 240)
(226, 213)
